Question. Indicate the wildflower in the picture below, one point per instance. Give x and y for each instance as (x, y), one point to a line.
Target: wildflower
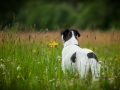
(34, 51)
(59, 58)
(100, 61)
(18, 76)
(18, 68)
(36, 77)
(52, 80)
(111, 80)
(111, 58)
(2, 66)
(57, 83)
(71, 82)
(1, 60)
(4, 73)
(53, 44)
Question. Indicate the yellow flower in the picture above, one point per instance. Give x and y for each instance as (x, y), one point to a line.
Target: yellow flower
(50, 44)
(34, 51)
(18, 76)
(53, 44)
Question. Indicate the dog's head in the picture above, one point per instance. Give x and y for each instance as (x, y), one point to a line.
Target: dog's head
(67, 34)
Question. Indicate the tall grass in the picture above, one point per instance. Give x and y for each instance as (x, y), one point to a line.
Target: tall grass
(31, 64)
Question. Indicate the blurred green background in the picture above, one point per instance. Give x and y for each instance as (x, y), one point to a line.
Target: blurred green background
(52, 14)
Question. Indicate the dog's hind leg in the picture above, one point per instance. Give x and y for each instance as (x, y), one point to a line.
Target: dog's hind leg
(81, 64)
(83, 68)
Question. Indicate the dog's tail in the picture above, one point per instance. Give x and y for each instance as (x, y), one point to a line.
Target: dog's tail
(95, 68)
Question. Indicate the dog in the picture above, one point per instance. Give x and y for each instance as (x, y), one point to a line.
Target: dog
(78, 59)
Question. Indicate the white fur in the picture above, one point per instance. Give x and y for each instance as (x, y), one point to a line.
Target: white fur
(82, 64)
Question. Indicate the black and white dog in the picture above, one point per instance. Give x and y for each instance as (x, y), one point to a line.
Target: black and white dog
(76, 58)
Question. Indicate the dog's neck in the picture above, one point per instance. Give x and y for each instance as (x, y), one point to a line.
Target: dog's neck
(71, 41)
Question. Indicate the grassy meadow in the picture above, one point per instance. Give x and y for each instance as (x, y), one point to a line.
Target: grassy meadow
(31, 60)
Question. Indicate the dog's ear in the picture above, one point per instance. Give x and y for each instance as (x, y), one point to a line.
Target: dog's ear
(76, 33)
(65, 32)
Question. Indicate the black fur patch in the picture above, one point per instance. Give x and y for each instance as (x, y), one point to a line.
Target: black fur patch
(92, 55)
(67, 34)
(73, 57)
(76, 33)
